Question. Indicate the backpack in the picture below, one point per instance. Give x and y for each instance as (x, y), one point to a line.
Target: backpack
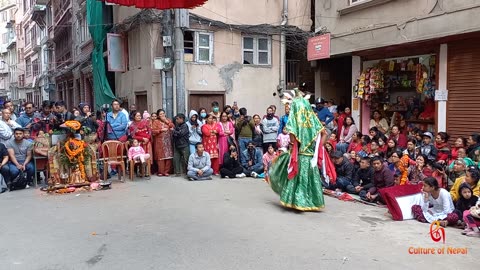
(19, 182)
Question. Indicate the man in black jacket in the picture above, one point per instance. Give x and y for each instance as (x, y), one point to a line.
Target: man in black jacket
(181, 153)
(231, 167)
(344, 171)
(363, 179)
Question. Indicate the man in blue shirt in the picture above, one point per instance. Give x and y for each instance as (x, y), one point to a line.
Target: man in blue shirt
(117, 121)
(323, 113)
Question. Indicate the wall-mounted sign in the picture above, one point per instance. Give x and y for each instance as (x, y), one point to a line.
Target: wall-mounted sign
(441, 95)
(318, 47)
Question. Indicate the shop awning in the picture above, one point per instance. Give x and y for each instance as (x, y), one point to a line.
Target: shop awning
(159, 4)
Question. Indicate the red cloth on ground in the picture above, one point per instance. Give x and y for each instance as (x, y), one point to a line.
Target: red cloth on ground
(390, 194)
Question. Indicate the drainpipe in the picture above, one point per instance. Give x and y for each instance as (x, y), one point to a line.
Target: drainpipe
(283, 47)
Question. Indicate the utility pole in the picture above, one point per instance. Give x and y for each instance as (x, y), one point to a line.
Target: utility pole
(181, 21)
(167, 74)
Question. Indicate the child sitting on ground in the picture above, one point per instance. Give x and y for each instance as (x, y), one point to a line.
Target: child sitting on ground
(283, 139)
(465, 202)
(137, 153)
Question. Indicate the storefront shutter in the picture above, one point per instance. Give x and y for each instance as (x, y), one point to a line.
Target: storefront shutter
(463, 80)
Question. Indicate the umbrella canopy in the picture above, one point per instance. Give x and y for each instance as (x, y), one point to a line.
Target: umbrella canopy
(159, 4)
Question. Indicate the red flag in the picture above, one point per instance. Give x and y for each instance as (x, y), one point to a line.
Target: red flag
(293, 164)
(159, 4)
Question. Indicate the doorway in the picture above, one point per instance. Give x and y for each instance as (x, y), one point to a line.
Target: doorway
(197, 100)
(141, 101)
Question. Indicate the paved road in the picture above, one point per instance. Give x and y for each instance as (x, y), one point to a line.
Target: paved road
(170, 223)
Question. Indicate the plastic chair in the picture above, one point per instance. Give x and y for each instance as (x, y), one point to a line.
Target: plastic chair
(113, 154)
(132, 163)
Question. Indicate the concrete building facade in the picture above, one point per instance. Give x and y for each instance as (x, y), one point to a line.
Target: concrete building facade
(222, 63)
(376, 30)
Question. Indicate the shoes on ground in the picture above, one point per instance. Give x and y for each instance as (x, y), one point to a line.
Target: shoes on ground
(254, 174)
(191, 179)
(467, 230)
(240, 175)
(473, 234)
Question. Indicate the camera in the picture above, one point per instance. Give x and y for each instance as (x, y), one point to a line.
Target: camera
(105, 107)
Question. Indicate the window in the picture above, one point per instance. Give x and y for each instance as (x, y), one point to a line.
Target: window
(3, 16)
(21, 80)
(35, 67)
(28, 67)
(5, 38)
(28, 36)
(198, 46)
(33, 35)
(256, 50)
(84, 34)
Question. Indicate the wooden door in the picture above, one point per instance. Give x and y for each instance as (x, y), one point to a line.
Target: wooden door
(141, 102)
(199, 100)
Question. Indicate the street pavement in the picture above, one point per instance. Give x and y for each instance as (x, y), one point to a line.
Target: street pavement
(171, 223)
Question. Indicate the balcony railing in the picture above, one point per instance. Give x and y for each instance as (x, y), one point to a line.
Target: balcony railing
(60, 10)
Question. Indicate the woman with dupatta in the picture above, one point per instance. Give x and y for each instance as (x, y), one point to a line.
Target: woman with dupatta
(162, 135)
(226, 138)
(292, 175)
(211, 131)
(140, 129)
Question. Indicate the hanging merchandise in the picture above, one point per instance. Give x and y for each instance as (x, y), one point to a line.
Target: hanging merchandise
(376, 80)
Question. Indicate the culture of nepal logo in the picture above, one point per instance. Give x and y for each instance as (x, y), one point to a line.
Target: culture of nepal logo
(437, 234)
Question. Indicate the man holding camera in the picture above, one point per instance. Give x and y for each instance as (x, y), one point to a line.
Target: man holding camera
(244, 126)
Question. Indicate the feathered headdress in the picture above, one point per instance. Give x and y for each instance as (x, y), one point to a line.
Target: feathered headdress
(289, 95)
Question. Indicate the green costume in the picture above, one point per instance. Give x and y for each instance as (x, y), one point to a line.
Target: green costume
(304, 191)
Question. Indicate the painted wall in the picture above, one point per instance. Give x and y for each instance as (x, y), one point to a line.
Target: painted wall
(251, 86)
(140, 79)
(395, 22)
(257, 12)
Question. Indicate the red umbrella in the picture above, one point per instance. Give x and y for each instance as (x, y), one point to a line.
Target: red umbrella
(159, 4)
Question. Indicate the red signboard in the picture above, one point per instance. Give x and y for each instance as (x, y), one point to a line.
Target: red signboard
(318, 47)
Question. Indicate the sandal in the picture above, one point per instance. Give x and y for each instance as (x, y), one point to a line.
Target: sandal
(443, 223)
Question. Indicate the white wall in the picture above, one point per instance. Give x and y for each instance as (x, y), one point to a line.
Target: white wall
(395, 22)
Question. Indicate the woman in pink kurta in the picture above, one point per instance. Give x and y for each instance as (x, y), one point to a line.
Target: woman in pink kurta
(211, 130)
(228, 131)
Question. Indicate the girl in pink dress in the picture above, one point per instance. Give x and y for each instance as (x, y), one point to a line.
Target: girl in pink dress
(137, 153)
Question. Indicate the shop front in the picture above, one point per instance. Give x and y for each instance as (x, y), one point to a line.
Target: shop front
(401, 89)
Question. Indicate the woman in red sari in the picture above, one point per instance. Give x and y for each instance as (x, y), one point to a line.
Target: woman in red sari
(210, 134)
(162, 135)
(140, 129)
